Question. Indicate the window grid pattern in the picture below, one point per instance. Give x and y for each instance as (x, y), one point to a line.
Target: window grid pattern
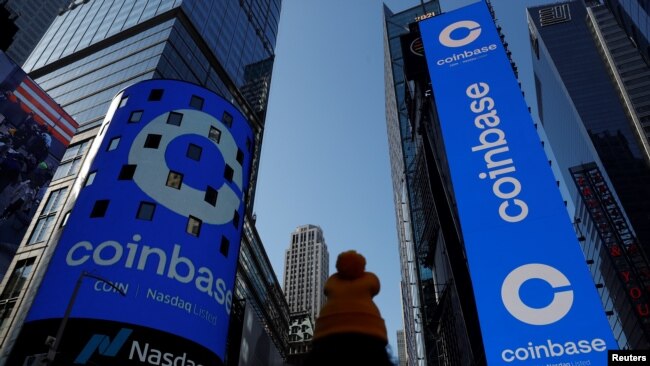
(47, 216)
(71, 161)
(14, 286)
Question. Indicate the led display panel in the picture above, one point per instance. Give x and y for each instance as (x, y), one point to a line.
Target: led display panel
(536, 300)
(159, 215)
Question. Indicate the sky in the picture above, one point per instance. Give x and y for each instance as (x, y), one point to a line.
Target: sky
(325, 151)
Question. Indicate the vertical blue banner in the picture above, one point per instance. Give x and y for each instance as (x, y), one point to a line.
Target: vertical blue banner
(536, 300)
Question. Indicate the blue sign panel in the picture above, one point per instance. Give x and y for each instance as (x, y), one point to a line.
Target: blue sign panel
(159, 213)
(536, 300)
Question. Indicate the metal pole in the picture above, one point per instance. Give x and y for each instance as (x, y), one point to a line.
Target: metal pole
(51, 353)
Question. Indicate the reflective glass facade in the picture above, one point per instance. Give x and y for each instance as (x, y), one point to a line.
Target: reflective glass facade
(31, 18)
(633, 16)
(586, 81)
(583, 121)
(118, 42)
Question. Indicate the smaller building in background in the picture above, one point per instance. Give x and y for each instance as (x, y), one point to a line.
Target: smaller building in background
(401, 348)
(301, 331)
(306, 268)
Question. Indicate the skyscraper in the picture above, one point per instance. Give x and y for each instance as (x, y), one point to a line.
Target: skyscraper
(31, 18)
(306, 268)
(633, 17)
(95, 49)
(593, 111)
(440, 319)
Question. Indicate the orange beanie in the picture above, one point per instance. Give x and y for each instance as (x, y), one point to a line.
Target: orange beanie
(349, 307)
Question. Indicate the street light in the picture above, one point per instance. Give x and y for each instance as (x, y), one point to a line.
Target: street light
(54, 346)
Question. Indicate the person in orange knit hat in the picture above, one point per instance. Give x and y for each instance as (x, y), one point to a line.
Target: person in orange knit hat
(349, 329)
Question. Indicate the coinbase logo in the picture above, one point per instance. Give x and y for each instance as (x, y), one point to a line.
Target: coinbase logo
(153, 168)
(471, 31)
(446, 39)
(551, 313)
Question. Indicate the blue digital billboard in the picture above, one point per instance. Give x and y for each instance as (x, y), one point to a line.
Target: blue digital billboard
(159, 213)
(536, 300)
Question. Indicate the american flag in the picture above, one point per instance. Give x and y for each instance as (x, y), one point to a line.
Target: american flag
(46, 111)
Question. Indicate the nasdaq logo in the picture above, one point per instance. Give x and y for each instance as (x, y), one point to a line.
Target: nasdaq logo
(103, 345)
(446, 39)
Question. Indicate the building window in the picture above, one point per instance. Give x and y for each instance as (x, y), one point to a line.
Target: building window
(152, 141)
(225, 246)
(227, 119)
(71, 160)
(214, 134)
(123, 101)
(174, 179)
(196, 102)
(113, 144)
(127, 172)
(211, 195)
(155, 95)
(6, 307)
(194, 152)
(15, 284)
(228, 173)
(135, 116)
(174, 118)
(90, 178)
(99, 209)
(240, 156)
(193, 226)
(145, 211)
(47, 216)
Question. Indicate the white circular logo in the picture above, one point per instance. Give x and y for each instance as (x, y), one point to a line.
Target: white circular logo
(474, 32)
(551, 313)
(153, 169)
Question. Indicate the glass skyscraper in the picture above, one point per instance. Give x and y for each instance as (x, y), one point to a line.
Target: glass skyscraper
(31, 19)
(93, 50)
(633, 16)
(440, 319)
(591, 112)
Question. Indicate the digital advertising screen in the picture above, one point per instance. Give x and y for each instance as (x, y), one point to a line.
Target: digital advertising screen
(536, 300)
(34, 133)
(159, 216)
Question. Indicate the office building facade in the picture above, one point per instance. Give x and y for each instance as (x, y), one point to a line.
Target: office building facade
(306, 268)
(440, 319)
(632, 16)
(95, 49)
(27, 21)
(592, 111)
